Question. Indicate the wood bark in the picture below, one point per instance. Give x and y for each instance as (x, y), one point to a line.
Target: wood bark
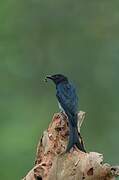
(52, 163)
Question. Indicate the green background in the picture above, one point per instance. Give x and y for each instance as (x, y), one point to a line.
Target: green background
(77, 38)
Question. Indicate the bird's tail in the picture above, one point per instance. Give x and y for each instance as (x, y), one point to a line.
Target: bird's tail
(74, 139)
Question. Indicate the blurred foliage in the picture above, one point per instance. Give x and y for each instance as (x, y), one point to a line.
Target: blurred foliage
(78, 38)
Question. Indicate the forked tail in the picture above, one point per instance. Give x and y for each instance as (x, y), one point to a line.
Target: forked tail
(74, 139)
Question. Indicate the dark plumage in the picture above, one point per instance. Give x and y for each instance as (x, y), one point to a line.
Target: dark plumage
(68, 103)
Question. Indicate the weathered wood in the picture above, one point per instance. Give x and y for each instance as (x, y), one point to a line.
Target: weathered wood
(53, 164)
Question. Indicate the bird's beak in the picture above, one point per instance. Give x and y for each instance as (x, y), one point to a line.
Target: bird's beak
(48, 77)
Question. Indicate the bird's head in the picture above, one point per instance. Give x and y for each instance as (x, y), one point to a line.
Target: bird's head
(57, 78)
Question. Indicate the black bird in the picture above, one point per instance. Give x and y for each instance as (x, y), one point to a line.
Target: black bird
(68, 103)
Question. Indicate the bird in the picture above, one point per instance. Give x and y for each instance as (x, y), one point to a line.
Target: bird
(68, 104)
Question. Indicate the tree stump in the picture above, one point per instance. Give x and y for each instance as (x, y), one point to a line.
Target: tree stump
(52, 163)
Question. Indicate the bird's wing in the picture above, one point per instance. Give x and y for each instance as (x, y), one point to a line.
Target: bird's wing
(68, 99)
(69, 106)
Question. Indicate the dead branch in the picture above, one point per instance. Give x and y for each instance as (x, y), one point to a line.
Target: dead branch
(53, 164)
